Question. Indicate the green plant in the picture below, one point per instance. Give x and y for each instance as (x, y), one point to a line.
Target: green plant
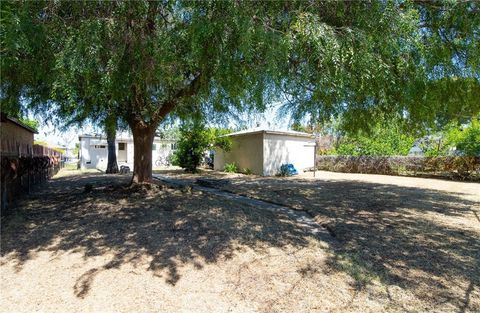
(230, 168)
(194, 141)
(455, 139)
(467, 140)
(247, 171)
(385, 138)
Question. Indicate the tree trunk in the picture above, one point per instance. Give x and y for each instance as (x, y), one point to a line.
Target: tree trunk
(142, 153)
(111, 129)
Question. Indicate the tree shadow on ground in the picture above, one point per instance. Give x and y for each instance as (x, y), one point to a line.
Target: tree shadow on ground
(169, 228)
(422, 240)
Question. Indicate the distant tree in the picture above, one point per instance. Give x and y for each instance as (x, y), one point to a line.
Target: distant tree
(466, 140)
(387, 138)
(454, 138)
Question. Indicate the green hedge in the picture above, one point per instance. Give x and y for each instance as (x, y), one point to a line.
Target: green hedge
(454, 167)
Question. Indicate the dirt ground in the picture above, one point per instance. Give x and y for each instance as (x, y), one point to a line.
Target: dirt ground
(393, 244)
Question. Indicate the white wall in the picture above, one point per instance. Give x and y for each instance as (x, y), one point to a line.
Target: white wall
(246, 152)
(98, 157)
(163, 148)
(91, 157)
(283, 149)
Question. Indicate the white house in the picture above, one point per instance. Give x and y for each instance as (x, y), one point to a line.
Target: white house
(264, 151)
(94, 151)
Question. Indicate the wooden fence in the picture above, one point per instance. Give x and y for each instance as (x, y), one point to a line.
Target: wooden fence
(15, 148)
(23, 167)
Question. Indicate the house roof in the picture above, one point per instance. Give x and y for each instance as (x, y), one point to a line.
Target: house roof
(269, 131)
(5, 118)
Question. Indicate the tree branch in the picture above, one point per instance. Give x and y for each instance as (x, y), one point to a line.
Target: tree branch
(188, 91)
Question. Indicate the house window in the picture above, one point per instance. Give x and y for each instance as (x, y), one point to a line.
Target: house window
(100, 146)
(174, 146)
(154, 147)
(121, 146)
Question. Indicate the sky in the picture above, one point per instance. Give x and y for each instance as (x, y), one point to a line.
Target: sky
(54, 136)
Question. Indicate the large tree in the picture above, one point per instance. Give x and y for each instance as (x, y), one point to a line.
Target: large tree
(147, 59)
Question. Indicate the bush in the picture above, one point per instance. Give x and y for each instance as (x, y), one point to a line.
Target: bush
(230, 168)
(194, 141)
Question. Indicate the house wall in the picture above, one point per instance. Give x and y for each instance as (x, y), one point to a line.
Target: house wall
(15, 139)
(283, 149)
(246, 152)
(162, 148)
(91, 157)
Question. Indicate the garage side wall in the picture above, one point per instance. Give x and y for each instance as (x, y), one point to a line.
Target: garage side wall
(93, 153)
(283, 149)
(246, 152)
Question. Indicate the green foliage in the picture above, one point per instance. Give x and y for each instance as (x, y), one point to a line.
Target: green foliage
(467, 141)
(195, 140)
(30, 123)
(231, 168)
(455, 139)
(384, 139)
(145, 60)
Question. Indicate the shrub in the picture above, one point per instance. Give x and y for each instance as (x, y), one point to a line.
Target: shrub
(191, 147)
(230, 168)
(195, 140)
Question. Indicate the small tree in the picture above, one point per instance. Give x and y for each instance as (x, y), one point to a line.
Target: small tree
(195, 140)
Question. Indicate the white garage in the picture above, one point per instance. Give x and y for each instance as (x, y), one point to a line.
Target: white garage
(264, 151)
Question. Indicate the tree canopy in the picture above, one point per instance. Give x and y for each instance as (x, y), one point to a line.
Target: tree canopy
(415, 60)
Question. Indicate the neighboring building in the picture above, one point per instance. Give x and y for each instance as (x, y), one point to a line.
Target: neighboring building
(16, 138)
(264, 151)
(93, 151)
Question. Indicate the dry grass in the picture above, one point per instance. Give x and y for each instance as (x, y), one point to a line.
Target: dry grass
(417, 236)
(115, 249)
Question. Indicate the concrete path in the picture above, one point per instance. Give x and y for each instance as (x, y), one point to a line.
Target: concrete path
(302, 218)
